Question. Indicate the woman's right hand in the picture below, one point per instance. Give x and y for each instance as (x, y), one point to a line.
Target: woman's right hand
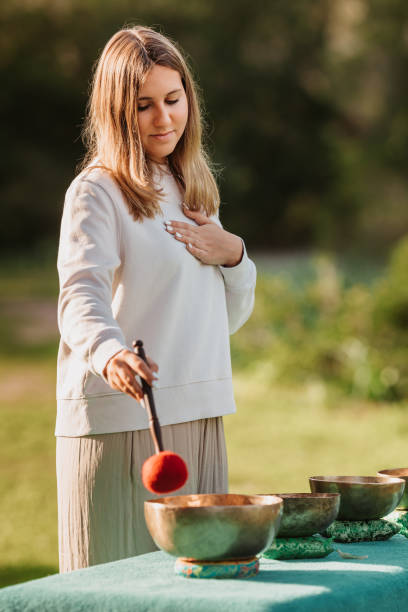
(121, 370)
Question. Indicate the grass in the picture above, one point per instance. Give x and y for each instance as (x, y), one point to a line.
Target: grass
(278, 438)
(27, 276)
(28, 509)
(280, 435)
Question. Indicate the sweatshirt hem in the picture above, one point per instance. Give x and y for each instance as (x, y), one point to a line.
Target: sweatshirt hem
(119, 394)
(113, 414)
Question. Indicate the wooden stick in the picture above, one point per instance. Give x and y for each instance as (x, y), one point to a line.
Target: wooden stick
(148, 401)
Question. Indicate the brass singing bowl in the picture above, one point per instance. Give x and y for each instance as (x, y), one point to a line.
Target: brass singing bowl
(403, 474)
(305, 514)
(213, 527)
(363, 498)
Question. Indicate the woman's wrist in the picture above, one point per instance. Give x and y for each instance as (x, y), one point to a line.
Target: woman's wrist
(237, 252)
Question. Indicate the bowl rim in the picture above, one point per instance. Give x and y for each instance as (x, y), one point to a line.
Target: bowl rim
(394, 471)
(306, 495)
(384, 479)
(165, 503)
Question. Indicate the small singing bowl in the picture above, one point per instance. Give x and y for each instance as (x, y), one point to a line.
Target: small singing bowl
(363, 498)
(305, 514)
(403, 474)
(214, 527)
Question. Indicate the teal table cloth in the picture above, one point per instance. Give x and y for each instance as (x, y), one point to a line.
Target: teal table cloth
(148, 583)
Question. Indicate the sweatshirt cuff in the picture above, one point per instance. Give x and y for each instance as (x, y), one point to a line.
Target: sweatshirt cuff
(104, 352)
(237, 276)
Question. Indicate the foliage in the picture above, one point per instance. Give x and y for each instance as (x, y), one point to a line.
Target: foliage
(353, 337)
(319, 347)
(305, 104)
(277, 439)
(392, 301)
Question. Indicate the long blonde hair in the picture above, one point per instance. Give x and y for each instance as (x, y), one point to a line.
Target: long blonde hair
(111, 131)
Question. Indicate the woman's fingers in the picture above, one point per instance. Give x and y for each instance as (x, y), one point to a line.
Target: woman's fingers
(180, 225)
(141, 367)
(127, 385)
(200, 254)
(132, 387)
(209, 242)
(185, 236)
(122, 369)
(198, 217)
(179, 232)
(152, 364)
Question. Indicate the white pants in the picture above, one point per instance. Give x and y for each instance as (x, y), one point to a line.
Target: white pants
(101, 496)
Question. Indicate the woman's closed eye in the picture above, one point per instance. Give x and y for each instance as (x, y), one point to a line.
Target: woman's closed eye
(146, 106)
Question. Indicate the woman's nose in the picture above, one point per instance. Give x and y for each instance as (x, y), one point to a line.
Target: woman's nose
(162, 116)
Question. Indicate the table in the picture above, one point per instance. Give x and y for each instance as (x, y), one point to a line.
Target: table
(148, 583)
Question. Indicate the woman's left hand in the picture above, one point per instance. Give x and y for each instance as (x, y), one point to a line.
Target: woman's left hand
(208, 241)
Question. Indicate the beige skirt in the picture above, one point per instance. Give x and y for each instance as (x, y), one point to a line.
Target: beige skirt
(101, 496)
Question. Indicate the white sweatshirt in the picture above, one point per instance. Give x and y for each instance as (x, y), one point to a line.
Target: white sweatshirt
(122, 280)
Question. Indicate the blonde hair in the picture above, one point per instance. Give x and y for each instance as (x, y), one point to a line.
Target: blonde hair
(111, 131)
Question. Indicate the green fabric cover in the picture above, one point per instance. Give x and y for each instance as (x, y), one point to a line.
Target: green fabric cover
(299, 548)
(401, 518)
(361, 531)
(148, 584)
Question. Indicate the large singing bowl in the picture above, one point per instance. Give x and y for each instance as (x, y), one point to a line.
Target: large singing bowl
(363, 498)
(403, 474)
(305, 514)
(213, 527)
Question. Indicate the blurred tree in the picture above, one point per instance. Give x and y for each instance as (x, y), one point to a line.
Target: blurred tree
(305, 104)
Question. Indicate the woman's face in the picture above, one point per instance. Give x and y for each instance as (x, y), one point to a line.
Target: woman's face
(162, 112)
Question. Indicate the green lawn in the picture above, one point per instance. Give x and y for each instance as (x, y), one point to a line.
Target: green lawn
(28, 512)
(276, 440)
(280, 435)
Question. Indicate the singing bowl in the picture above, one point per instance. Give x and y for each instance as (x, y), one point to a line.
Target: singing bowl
(213, 527)
(305, 514)
(403, 474)
(363, 498)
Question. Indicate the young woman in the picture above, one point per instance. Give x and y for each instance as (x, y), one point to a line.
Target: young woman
(142, 255)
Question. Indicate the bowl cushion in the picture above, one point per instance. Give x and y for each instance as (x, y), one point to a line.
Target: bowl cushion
(299, 548)
(361, 531)
(238, 568)
(401, 518)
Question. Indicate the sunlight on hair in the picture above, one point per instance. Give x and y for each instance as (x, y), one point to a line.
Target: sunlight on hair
(111, 131)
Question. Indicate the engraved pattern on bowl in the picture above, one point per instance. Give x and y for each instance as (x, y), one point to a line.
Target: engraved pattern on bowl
(305, 514)
(363, 498)
(403, 474)
(214, 527)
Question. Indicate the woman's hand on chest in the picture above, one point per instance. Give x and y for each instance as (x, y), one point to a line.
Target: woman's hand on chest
(207, 241)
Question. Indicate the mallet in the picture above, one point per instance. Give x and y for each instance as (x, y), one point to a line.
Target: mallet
(165, 471)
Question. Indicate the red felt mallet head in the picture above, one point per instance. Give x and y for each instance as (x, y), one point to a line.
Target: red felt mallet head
(165, 471)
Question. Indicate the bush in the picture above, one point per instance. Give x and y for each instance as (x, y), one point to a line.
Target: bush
(353, 337)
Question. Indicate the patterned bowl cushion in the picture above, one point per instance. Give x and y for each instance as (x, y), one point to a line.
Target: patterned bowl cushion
(361, 531)
(299, 548)
(401, 518)
(239, 568)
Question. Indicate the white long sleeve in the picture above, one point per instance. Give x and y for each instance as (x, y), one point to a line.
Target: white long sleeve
(121, 280)
(240, 282)
(88, 258)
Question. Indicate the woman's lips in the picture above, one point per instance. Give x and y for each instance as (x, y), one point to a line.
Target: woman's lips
(163, 136)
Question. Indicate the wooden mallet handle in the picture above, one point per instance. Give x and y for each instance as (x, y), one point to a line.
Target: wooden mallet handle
(148, 401)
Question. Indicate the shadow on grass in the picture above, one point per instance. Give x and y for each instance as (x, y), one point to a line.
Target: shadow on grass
(13, 574)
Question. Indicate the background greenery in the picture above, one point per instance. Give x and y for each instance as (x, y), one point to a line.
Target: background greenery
(319, 374)
(305, 104)
(307, 114)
